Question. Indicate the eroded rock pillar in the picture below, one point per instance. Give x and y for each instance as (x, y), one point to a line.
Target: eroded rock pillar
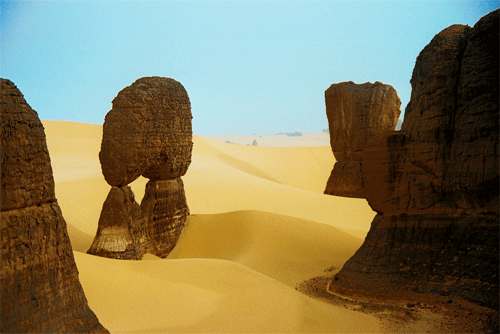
(356, 113)
(40, 290)
(147, 133)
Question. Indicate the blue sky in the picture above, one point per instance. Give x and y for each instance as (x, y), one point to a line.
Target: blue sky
(249, 67)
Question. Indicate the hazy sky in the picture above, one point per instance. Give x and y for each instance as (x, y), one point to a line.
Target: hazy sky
(249, 67)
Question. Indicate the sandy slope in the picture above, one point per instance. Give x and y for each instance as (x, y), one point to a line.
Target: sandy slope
(259, 225)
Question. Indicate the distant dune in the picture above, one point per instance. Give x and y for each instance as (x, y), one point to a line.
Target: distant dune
(259, 225)
(291, 139)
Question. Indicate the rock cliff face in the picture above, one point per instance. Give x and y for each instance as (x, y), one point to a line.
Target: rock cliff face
(435, 184)
(40, 290)
(355, 114)
(147, 132)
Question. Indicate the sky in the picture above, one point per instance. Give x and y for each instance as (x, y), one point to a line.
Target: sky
(249, 67)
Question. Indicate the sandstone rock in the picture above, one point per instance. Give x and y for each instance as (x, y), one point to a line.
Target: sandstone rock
(355, 114)
(435, 184)
(165, 206)
(147, 132)
(40, 290)
(121, 232)
(28, 181)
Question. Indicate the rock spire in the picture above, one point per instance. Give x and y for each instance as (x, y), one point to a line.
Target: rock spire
(40, 290)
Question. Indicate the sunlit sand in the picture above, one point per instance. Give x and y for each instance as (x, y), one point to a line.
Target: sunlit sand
(259, 226)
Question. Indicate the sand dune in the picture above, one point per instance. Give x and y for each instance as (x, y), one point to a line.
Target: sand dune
(204, 295)
(259, 225)
(288, 249)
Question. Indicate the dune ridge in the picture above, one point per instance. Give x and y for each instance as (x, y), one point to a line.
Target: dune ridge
(259, 225)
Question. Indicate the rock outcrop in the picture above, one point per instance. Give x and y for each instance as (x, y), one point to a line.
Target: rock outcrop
(435, 184)
(40, 290)
(356, 113)
(147, 132)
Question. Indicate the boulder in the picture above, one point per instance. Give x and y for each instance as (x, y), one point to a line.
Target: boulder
(147, 132)
(435, 184)
(40, 290)
(356, 113)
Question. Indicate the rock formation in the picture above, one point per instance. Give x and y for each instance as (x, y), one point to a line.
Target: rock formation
(435, 184)
(122, 229)
(39, 279)
(355, 114)
(165, 205)
(147, 132)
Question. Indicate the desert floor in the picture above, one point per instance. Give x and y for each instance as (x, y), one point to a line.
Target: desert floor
(259, 226)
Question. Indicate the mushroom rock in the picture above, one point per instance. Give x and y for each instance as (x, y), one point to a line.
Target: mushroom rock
(39, 280)
(148, 132)
(356, 113)
(121, 231)
(435, 184)
(165, 206)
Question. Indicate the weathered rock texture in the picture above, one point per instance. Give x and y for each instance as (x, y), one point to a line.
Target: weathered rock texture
(147, 132)
(40, 290)
(165, 206)
(435, 184)
(355, 114)
(122, 227)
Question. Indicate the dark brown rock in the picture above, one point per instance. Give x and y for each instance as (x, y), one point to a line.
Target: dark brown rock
(435, 184)
(355, 114)
(28, 181)
(147, 132)
(165, 206)
(40, 290)
(121, 232)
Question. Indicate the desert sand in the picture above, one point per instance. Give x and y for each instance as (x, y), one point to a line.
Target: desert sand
(259, 226)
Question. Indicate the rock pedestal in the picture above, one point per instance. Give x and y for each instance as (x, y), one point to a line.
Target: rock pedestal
(355, 114)
(40, 290)
(148, 132)
(122, 227)
(435, 184)
(165, 206)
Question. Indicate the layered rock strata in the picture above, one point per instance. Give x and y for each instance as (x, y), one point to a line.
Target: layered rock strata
(356, 113)
(40, 290)
(147, 133)
(435, 184)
